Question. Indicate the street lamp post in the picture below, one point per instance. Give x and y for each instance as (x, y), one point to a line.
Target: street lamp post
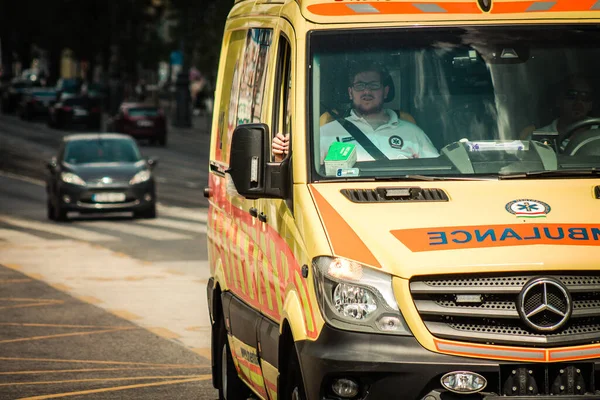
(183, 116)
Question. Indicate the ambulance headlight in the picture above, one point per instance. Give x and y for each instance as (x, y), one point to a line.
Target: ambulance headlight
(357, 298)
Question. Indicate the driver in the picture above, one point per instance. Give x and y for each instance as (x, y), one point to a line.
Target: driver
(395, 138)
(574, 103)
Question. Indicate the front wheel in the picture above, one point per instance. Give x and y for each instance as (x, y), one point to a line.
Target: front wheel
(149, 213)
(231, 387)
(293, 388)
(50, 211)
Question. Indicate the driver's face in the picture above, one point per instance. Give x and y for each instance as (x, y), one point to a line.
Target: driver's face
(367, 92)
(576, 101)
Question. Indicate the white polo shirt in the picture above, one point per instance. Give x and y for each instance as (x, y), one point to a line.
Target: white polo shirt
(397, 139)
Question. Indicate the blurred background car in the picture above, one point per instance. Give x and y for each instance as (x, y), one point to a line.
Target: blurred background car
(69, 86)
(35, 102)
(100, 173)
(80, 110)
(141, 121)
(11, 95)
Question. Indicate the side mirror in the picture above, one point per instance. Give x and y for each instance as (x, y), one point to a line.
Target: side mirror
(152, 161)
(52, 164)
(253, 175)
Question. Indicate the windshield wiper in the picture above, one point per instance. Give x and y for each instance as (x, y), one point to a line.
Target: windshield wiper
(434, 178)
(562, 173)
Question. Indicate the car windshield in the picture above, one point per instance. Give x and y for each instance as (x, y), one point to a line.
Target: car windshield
(44, 94)
(143, 112)
(469, 102)
(101, 151)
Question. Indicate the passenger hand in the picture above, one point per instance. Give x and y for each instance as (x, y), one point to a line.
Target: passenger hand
(280, 146)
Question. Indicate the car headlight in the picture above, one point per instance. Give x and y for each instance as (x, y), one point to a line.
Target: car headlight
(357, 298)
(140, 177)
(69, 177)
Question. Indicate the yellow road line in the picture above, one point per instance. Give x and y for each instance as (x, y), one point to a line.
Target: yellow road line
(66, 335)
(15, 267)
(30, 324)
(113, 389)
(93, 362)
(62, 371)
(60, 286)
(124, 314)
(28, 299)
(163, 332)
(19, 280)
(45, 303)
(90, 299)
(205, 352)
(129, 378)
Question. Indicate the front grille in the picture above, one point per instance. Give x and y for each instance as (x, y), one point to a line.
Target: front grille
(394, 194)
(486, 309)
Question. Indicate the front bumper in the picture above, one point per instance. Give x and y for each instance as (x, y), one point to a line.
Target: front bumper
(137, 197)
(398, 367)
(154, 132)
(88, 119)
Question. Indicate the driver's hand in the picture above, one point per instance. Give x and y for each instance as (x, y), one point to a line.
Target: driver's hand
(280, 146)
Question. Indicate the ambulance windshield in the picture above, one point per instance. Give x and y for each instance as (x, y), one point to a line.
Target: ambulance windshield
(480, 102)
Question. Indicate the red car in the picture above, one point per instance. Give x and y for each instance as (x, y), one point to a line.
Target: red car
(141, 121)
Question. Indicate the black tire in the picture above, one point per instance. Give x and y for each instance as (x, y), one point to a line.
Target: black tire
(60, 214)
(50, 211)
(293, 388)
(231, 387)
(162, 141)
(149, 213)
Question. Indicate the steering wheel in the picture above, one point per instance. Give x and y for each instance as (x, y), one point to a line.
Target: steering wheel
(571, 129)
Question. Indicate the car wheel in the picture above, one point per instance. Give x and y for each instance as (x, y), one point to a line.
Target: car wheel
(231, 387)
(50, 210)
(149, 213)
(162, 141)
(294, 386)
(60, 214)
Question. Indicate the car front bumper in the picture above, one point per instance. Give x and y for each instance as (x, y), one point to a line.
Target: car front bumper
(398, 367)
(82, 198)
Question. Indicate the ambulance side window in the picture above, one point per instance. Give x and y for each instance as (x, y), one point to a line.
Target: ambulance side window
(282, 115)
(254, 75)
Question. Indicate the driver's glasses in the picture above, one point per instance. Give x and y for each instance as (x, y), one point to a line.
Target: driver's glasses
(360, 86)
(573, 94)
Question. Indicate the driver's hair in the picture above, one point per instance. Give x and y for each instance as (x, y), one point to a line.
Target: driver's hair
(357, 67)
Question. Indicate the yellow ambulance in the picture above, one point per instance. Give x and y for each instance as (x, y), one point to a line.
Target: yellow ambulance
(433, 229)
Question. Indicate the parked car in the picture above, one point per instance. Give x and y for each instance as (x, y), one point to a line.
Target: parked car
(141, 121)
(70, 86)
(11, 95)
(100, 173)
(73, 111)
(35, 102)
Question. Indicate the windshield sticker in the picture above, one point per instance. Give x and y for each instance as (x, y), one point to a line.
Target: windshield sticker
(345, 172)
(515, 145)
(528, 208)
(469, 237)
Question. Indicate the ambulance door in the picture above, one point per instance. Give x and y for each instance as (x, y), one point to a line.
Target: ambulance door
(277, 227)
(252, 69)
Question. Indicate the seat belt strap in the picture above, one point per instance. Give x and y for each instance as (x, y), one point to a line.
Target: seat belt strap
(363, 140)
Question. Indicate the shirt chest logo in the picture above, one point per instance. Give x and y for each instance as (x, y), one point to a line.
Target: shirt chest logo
(396, 142)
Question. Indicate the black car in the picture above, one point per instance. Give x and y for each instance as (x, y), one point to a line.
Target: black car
(80, 110)
(35, 102)
(100, 173)
(11, 94)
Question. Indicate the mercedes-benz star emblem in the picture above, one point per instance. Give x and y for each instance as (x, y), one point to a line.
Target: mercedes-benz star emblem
(544, 304)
